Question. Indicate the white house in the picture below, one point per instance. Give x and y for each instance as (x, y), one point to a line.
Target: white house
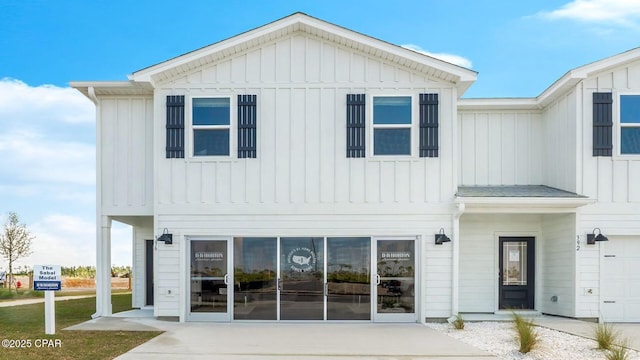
(304, 171)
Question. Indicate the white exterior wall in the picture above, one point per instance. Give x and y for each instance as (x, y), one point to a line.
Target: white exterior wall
(613, 181)
(479, 235)
(500, 147)
(557, 264)
(301, 83)
(559, 143)
(301, 182)
(125, 130)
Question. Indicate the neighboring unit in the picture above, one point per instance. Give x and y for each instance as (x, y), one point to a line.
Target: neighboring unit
(303, 171)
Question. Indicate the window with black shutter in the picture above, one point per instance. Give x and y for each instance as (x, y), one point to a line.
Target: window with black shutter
(429, 125)
(355, 125)
(175, 127)
(247, 126)
(602, 124)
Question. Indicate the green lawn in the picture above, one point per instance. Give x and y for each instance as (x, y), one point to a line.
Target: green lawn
(26, 322)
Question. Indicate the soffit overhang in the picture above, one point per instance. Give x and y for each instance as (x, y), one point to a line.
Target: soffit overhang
(461, 77)
(93, 89)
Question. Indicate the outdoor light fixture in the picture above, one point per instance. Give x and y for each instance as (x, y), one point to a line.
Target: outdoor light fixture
(166, 237)
(441, 237)
(592, 238)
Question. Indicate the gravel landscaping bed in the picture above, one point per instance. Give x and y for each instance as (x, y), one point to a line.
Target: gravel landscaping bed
(499, 338)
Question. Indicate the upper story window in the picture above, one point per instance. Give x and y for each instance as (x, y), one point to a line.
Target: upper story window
(211, 123)
(630, 124)
(392, 125)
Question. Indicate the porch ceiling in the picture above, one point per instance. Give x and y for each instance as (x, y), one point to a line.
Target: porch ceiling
(537, 199)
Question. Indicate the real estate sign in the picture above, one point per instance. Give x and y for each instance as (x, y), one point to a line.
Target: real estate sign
(47, 277)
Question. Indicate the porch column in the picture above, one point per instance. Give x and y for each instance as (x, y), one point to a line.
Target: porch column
(103, 268)
(455, 277)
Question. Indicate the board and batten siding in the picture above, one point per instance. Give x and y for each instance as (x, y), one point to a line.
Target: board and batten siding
(559, 144)
(609, 179)
(301, 83)
(500, 147)
(125, 131)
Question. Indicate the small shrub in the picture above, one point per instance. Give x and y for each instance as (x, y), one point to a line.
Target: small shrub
(618, 352)
(605, 336)
(526, 333)
(458, 322)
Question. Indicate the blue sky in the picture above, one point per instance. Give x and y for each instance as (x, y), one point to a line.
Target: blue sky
(47, 152)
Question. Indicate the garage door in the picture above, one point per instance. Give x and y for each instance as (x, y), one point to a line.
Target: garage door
(621, 280)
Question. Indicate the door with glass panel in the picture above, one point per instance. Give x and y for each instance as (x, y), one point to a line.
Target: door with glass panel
(395, 298)
(516, 273)
(301, 285)
(348, 286)
(209, 279)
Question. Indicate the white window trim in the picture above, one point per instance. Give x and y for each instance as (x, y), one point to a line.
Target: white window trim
(233, 113)
(617, 127)
(413, 126)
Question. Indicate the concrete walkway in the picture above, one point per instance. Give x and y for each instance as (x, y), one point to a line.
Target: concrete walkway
(251, 340)
(254, 340)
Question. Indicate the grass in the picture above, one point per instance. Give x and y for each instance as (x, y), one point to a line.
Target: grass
(618, 352)
(6, 295)
(605, 336)
(526, 333)
(27, 322)
(458, 322)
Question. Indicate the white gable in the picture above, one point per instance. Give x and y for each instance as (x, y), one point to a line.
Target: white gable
(313, 28)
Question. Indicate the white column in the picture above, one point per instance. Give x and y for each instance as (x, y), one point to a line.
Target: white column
(49, 312)
(455, 277)
(103, 268)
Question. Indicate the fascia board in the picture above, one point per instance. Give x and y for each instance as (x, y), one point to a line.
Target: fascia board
(499, 104)
(463, 75)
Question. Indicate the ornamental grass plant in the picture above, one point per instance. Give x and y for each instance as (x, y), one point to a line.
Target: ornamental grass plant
(526, 333)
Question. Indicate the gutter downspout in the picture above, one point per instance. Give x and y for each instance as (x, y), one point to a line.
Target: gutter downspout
(455, 279)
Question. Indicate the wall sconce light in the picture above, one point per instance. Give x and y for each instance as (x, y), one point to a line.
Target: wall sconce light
(166, 237)
(441, 238)
(592, 238)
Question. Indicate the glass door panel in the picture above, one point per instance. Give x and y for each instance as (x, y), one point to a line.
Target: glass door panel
(209, 279)
(255, 279)
(302, 278)
(517, 260)
(349, 278)
(395, 283)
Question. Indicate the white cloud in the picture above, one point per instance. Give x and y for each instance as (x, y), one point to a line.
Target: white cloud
(450, 58)
(615, 12)
(29, 156)
(70, 241)
(46, 103)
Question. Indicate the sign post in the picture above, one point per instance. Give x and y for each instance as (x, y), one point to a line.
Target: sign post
(48, 278)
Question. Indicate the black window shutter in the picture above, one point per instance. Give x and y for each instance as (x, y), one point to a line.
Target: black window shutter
(355, 125)
(247, 126)
(602, 124)
(428, 125)
(175, 126)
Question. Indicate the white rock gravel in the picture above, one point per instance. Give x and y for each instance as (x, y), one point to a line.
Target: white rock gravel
(499, 338)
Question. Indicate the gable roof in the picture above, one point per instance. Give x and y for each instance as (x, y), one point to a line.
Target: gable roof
(300, 22)
(570, 79)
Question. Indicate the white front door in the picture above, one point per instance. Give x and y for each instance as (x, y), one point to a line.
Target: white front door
(209, 279)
